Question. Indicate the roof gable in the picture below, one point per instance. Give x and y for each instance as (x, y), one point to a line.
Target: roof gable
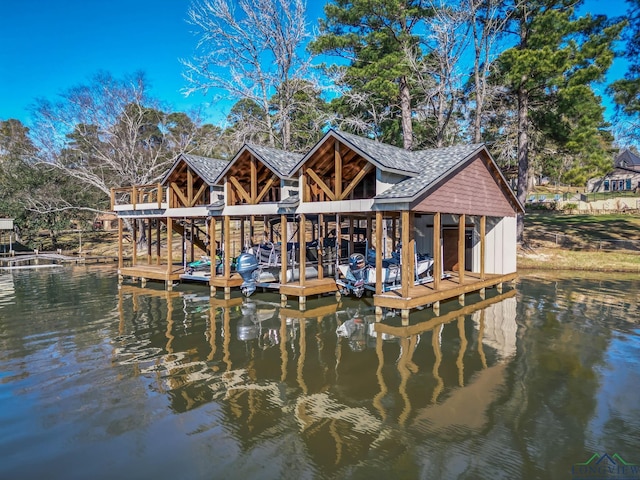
(383, 155)
(278, 161)
(208, 169)
(471, 189)
(433, 165)
(627, 159)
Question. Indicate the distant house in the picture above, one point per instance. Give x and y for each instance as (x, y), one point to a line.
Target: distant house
(627, 160)
(624, 177)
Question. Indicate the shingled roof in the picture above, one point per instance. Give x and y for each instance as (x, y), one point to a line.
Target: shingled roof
(433, 164)
(280, 161)
(628, 159)
(387, 156)
(209, 169)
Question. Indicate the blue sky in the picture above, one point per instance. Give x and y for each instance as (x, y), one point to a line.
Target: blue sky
(49, 46)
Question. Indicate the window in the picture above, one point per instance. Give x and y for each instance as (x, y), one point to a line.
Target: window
(606, 185)
(628, 184)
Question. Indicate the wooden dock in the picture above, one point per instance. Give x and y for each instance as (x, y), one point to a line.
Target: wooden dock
(426, 294)
(37, 260)
(152, 272)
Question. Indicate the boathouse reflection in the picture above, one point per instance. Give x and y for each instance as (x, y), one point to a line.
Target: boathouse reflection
(351, 384)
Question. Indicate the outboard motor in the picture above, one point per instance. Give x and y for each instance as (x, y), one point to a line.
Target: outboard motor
(247, 266)
(357, 268)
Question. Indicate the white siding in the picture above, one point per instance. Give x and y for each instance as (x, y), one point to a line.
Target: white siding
(501, 245)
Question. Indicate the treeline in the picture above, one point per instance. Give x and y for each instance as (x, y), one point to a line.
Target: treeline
(521, 76)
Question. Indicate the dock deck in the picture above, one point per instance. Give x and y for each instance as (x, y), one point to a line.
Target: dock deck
(153, 272)
(450, 287)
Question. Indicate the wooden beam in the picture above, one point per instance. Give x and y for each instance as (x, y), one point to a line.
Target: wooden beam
(405, 262)
(227, 247)
(175, 189)
(304, 191)
(338, 169)
(240, 189)
(149, 242)
(394, 227)
(283, 249)
(212, 249)
(323, 186)
(159, 193)
(350, 220)
(266, 188)
(379, 253)
(120, 233)
(242, 234)
(302, 241)
(198, 194)
(254, 181)
(320, 246)
(134, 255)
(189, 187)
(461, 252)
(169, 244)
(437, 257)
(158, 245)
(354, 183)
(483, 234)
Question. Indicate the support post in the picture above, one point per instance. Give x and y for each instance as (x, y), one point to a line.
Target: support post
(149, 237)
(169, 245)
(227, 248)
(283, 249)
(212, 255)
(405, 316)
(406, 255)
(461, 252)
(483, 233)
(321, 233)
(134, 255)
(302, 241)
(437, 254)
(158, 245)
(379, 253)
(120, 233)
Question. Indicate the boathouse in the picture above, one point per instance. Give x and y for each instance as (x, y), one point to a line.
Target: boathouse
(451, 203)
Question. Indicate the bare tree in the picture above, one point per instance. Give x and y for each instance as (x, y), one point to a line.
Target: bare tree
(488, 19)
(109, 133)
(251, 54)
(437, 73)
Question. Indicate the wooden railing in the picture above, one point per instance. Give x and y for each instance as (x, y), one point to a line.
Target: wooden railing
(138, 194)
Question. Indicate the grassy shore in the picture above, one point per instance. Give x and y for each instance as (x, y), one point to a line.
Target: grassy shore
(581, 242)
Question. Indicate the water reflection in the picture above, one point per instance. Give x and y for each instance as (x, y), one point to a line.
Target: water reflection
(179, 385)
(347, 384)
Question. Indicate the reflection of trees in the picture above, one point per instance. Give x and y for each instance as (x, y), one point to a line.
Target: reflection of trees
(273, 369)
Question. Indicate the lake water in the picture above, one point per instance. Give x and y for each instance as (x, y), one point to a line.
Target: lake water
(102, 383)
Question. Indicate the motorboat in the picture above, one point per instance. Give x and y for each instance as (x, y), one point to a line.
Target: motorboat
(359, 274)
(261, 266)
